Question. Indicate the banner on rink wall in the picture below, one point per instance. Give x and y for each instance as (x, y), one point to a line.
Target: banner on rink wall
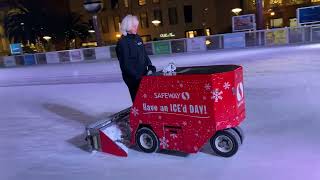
(76, 56)
(103, 53)
(64, 56)
(276, 37)
(19, 60)
(29, 59)
(162, 47)
(149, 48)
(52, 57)
(89, 54)
(41, 58)
(196, 44)
(9, 61)
(113, 52)
(315, 34)
(234, 40)
(178, 46)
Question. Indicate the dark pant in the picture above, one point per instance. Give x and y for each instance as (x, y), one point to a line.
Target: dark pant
(133, 86)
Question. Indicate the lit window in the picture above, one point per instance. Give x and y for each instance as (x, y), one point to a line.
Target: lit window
(293, 22)
(126, 3)
(142, 2)
(275, 23)
(315, 1)
(208, 32)
(191, 34)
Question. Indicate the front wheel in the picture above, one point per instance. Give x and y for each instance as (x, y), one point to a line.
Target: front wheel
(147, 140)
(225, 143)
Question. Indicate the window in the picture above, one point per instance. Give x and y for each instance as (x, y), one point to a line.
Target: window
(191, 34)
(208, 32)
(104, 24)
(156, 1)
(173, 17)
(114, 4)
(116, 23)
(144, 20)
(188, 14)
(157, 15)
(126, 3)
(275, 23)
(293, 22)
(142, 2)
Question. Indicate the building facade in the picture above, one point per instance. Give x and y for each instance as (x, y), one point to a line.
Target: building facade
(279, 13)
(4, 44)
(178, 18)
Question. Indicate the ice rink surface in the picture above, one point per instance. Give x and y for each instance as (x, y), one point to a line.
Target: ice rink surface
(44, 110)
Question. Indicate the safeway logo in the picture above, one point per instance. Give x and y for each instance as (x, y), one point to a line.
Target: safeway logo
(240, 93)
(185, 96)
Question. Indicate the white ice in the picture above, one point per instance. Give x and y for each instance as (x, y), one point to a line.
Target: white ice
(44, 110)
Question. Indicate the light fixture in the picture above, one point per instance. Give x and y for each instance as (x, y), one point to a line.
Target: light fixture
(47, 38)
(118, 35)
(208, 42)
(236, 10)
(22, 24)
(91, 31)
(272, 13)
(156, 22)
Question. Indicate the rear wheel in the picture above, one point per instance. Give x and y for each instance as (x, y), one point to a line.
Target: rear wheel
(239, 130)
(225, 143)
(147, 140)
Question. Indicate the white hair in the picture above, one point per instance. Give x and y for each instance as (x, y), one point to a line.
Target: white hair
(127, 23)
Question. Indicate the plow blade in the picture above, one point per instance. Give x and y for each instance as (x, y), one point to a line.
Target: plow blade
(111, 135)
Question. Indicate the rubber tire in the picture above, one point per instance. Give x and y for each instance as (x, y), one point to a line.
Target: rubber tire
(240, 132)
(235, 138)
(155, 139)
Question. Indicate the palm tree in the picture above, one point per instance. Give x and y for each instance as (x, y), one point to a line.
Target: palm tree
(26, 23)
(72, 27)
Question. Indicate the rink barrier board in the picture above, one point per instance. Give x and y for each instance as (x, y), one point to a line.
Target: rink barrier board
(261, 38)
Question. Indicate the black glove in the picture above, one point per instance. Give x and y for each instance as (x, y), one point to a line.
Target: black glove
(152, 68)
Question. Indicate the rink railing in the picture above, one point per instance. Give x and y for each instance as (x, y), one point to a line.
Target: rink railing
(262, 38)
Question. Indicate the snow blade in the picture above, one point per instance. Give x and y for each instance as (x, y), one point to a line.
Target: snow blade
(112, 141)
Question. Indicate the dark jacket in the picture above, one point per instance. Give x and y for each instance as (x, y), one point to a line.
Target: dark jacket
(132, 57)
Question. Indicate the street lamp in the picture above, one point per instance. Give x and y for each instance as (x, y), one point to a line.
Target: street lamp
(47, 38)
(236, 11)
(156, 22)
(94, 7)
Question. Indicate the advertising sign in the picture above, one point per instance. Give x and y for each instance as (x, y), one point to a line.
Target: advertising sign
(16, 48)
(52, 57)
(235, 40)
(196, 44)
(89, 54)
(162, 47)
(276, 37)
(9, 61)
(243, 23)
(76, 56)
(308, 15)
(29, 59)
